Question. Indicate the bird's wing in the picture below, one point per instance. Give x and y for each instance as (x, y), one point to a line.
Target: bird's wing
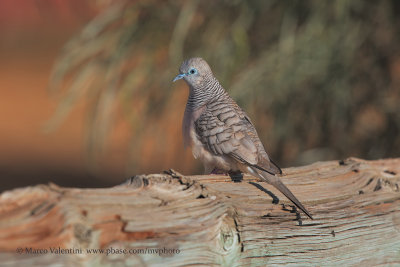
(225, 129)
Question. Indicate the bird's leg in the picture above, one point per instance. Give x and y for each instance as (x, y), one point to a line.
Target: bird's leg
(236, 176)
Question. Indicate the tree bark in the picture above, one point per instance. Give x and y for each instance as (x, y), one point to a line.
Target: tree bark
(174, 220)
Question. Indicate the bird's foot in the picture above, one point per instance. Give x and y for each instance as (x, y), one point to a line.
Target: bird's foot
(236, 176)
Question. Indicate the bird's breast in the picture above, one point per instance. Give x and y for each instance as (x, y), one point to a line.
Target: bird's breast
(188, 127)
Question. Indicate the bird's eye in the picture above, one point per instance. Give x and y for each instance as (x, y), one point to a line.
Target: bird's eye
(192, 71)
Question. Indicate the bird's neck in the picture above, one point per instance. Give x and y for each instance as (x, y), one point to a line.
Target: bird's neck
(202, 94)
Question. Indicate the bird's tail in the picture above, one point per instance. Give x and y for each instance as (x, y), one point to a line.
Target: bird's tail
(275, 181)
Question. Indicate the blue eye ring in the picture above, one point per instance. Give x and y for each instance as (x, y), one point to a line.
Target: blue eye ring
(192, 71)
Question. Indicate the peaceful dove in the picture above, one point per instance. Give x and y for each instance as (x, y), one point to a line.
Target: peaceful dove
(220, 133)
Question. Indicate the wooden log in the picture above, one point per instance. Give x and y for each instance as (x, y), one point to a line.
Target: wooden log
(174, 220)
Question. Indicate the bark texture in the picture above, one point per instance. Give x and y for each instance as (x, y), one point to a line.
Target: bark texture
(174, 220)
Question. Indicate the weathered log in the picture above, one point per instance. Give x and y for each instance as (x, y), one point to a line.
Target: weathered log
(173, 220)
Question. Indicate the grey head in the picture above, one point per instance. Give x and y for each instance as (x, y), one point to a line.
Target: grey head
(202, 83)
(194, 71)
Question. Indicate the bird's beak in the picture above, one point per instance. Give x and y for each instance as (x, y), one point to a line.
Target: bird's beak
(178, 77)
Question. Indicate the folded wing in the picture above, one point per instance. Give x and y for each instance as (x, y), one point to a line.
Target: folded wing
(226, 130)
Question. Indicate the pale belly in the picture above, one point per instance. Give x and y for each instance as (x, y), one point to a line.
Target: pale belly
(210, 160)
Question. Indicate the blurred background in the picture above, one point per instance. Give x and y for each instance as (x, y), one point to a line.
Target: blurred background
(87, 99)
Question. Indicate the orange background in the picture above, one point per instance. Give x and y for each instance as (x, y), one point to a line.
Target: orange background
(33, 33)
(31, 39)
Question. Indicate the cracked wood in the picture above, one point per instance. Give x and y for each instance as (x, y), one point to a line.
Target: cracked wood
(212, 220)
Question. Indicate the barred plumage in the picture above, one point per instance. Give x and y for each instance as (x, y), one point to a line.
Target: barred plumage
(220, 133)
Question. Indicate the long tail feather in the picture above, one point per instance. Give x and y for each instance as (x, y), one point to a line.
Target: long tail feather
(277, 183)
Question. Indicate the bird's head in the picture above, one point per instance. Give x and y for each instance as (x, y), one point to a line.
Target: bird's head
(195, 71)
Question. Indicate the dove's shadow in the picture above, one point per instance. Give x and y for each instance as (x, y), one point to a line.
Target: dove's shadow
(275, 200)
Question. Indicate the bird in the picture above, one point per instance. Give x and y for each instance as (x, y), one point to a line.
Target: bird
(220, 133)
